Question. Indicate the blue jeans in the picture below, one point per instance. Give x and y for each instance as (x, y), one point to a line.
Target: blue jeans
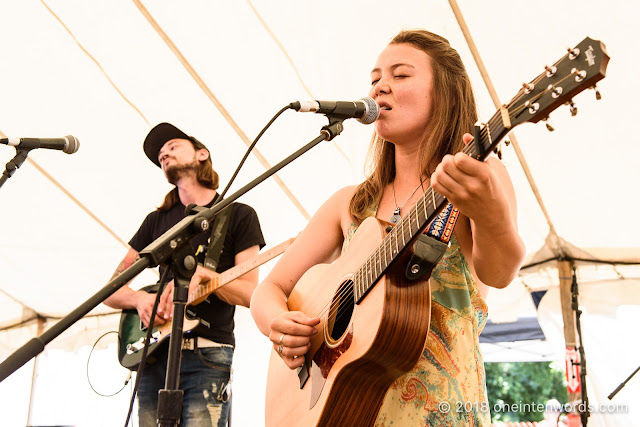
(204, 378)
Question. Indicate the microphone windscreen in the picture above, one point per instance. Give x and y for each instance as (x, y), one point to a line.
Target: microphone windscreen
(72, 145)
(372, 111)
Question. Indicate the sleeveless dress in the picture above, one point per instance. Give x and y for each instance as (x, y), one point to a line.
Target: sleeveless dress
(447, 385)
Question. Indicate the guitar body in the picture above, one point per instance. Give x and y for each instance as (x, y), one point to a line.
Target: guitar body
(132, 334)
(131, 337)
(360, 349)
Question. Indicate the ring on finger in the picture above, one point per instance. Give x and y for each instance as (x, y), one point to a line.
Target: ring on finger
(280, 341)
(280, 349)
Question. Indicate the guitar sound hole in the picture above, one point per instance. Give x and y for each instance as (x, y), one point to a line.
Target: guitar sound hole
(341, 310)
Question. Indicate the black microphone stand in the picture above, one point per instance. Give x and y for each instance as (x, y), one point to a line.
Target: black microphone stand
(169, 409)
(584, 414)
(14, 164)
(175, 243)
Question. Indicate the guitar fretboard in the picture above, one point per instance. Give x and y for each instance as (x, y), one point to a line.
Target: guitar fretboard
(420, 216)
(206, 289)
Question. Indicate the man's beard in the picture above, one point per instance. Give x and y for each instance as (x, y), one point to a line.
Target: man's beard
(176, 172)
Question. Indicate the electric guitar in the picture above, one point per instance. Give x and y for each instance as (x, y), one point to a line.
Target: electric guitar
(132, 333)
(374, 322)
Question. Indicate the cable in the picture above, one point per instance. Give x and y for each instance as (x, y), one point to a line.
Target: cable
(89, 359)
(253, 144)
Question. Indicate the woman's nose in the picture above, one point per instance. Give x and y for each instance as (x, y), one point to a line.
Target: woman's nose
(381, 87)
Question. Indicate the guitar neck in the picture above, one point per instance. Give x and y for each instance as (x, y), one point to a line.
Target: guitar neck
(424, 211)
(207, 288)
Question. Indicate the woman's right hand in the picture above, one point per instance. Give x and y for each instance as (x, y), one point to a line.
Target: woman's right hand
(291, 334)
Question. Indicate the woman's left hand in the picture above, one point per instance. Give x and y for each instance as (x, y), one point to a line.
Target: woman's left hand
(471, 186)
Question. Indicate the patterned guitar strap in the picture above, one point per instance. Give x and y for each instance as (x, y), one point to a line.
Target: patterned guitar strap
(432, 244)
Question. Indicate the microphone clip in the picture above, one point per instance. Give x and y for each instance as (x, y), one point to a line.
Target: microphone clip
(334, 128)
(13, 164)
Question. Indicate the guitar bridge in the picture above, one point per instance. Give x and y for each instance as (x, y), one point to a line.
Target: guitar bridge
(136, 346)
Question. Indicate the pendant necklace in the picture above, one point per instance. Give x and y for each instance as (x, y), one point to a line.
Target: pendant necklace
(396, 218)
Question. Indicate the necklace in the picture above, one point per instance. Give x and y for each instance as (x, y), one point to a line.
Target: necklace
(395, 218)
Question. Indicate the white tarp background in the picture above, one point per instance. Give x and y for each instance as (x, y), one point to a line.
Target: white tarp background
(106, 72)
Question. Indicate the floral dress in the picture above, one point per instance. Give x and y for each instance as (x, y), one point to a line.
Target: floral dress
(447, 385)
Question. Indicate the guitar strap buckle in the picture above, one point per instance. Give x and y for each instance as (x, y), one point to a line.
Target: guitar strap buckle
(427, 251)
(432, 244)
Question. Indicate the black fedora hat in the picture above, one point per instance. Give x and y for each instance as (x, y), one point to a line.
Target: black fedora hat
(160, 134)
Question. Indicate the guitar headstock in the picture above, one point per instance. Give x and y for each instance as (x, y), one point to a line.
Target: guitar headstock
(581, 68)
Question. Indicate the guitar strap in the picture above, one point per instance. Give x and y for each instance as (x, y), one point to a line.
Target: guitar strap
(441, 228)
(216, 241)
(432, 243)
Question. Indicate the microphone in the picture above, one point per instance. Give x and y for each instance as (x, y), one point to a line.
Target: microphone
(366, 110)
(69, 144)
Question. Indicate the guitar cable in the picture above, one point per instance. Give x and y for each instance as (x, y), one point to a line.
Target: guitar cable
(89, 360)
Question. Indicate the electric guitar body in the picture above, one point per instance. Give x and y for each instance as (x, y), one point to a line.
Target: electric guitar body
(132, 334)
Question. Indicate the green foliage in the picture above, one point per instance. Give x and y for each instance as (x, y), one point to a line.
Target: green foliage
(518, 391)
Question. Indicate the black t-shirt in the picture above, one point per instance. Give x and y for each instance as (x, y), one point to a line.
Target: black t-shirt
(243, 232)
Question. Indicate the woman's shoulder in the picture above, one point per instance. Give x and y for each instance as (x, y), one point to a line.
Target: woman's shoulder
(335, 210)
(346, 192)
(341, 198)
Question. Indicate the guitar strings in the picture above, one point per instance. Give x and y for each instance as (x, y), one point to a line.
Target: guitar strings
(370, 265)
(348, 291)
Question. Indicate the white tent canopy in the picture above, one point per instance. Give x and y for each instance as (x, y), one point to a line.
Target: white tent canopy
(106, 72)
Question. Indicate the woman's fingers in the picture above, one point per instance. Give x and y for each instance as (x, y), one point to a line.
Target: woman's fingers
(291, 336)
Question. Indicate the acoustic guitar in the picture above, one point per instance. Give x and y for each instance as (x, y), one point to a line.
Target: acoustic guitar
(132, 333)
(374, 322)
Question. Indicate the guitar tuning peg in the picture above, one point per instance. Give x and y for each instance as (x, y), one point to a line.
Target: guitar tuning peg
(527, 87)
(598, 96)
(573, 53)
(573, 108)
(549, 124)
(551, 70)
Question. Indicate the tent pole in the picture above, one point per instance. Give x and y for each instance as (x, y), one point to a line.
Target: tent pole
(40, 322)
(565, 268)
(573, 367)
(556, 248)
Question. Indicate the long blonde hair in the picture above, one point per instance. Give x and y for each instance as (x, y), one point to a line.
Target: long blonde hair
(453, 113)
